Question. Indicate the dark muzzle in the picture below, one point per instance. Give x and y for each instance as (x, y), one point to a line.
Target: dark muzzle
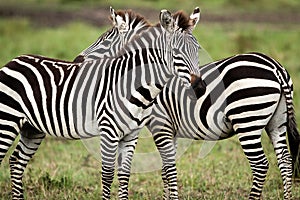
(199, 87)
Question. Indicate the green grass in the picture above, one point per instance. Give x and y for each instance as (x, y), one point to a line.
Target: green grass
(64, 170)
(19, 37)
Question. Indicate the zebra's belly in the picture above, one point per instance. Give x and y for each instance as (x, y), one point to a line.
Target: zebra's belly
(73, 133)
(209, 136)
(219, 128)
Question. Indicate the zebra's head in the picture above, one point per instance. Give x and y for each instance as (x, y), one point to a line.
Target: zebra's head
(126, 24)
(182, 44)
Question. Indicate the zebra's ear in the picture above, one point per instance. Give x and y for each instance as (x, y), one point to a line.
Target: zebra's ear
(194, 18)
(167, 21)
(113, 15)
(118, 21)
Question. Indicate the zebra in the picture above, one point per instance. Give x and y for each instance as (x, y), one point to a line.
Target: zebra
(110, 97)
(243, 95)
(125, 25)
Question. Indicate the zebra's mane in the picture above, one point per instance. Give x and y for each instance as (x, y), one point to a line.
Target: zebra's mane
(134, 19)
(183, 20)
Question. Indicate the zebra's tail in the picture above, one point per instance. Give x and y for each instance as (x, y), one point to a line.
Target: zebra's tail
(292, 131)
(294, 142)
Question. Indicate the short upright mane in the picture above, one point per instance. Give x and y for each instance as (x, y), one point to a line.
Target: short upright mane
(133, 17)
(183, 20)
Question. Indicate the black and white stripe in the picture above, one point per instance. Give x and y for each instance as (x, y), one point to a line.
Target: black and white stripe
(110, 97)
(244, 94)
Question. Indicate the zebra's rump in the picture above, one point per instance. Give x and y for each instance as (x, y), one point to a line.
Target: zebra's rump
(34, 89)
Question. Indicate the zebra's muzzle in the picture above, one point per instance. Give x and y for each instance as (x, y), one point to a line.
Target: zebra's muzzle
(199, 87)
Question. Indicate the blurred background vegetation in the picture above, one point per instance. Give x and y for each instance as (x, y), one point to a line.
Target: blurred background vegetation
(63, 28)
(217, 5)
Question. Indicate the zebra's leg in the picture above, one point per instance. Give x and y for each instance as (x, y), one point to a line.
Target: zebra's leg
(24, 151)
(276, 130)
(166, 184)
(164, 175)
(126, 150)
(166, 147)
(251, 144)
(9, 130)
(109, 146)
(6, 140)
(285, 166)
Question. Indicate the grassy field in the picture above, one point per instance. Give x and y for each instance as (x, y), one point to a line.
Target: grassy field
(65, 170)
